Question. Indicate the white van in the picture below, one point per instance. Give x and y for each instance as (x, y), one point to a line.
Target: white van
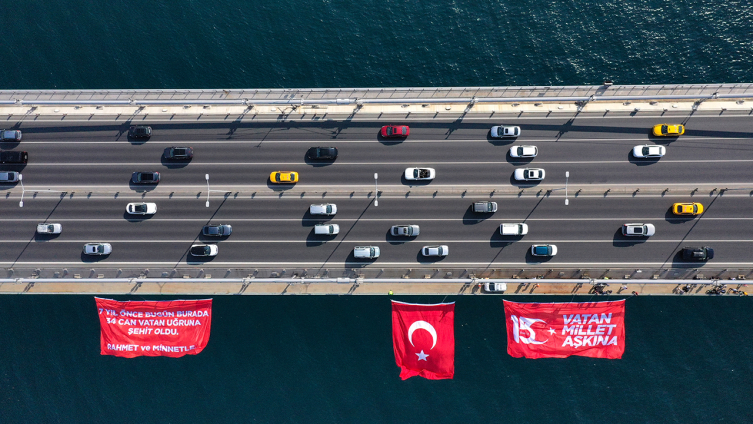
(324, 209)
(327, 229)
(366, 252)
(513, 229)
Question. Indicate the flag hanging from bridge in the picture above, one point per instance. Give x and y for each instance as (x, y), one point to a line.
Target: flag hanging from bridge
(423, 338)
(559, 330)
(171, 328)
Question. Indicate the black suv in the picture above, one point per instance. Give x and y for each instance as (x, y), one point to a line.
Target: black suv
(145, 178)
(322, 153)
(697, 253)
(140, 131)
(178, 153)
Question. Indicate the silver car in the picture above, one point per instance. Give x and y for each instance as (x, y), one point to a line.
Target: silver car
(404, 230)
(649, 151)
(8, 177)
(97, 249)
(502, 131)
(324, 209)
(220, 230)
(441, 250)
(638, 230)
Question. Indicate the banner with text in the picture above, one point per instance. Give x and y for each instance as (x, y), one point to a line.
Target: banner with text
(171, 328)
(559, 330)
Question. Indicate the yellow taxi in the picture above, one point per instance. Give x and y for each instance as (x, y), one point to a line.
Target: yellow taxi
(283, 177)
(669, 130)
(687, 209)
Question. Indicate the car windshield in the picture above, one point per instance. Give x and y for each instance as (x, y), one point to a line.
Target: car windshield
(541, 250)
(140, 208)
(405, 129)
(50, 228)
(664, 129)
(695, 208)
(389, 130)
(329, 208)
(645, 150)
(415, 173)
(99, 249)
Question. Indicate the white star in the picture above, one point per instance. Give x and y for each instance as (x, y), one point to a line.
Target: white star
(422, 356)
(552, 330)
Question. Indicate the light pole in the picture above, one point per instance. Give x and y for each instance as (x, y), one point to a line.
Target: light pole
(206, 177)
(567, 177)
(376, 186)
(23, 190)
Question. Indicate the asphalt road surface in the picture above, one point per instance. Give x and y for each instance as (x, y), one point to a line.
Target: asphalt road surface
(270, 229)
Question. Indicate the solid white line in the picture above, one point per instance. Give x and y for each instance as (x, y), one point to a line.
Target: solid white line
(337, 240)
(408, 163)
(336, 220)
(378, 264)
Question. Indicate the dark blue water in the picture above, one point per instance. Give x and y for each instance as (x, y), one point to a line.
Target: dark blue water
(327, 359)
(87, 44)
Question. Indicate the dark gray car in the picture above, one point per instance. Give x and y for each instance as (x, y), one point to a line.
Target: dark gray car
(221, 230)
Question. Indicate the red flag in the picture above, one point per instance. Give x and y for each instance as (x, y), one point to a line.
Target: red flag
(558, 330)
(146, 328)
(423, 337)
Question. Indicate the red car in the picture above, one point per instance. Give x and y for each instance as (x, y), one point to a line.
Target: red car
(389, 131)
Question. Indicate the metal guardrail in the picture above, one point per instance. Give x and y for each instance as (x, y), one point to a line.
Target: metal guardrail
(304, 280)
(361, 96)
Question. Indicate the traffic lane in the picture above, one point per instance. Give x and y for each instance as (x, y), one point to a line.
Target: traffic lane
(293, 152)
(339, 253)
(341, 174)
(554, 127)
(378, 229)
(392, 208)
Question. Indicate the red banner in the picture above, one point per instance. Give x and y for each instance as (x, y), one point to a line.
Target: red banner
(559, 330)
(423, 337)
(171, 328)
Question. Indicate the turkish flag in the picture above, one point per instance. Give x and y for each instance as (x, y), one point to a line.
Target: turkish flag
(559, 330)
(423, 337)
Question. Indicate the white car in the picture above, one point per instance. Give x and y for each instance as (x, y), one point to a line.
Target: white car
(543, 250)
(366, 252)
(442, 250)
(141, 208)
(49, 228)
(529, 174)
(420, 174)
(524, 151)
(502, 131)
(97, 249)
(204, 250)
(508, 229)
(649, 151)
(495, 287)
(405, 230)
(8, 177)
(638, 230)
(323, 209)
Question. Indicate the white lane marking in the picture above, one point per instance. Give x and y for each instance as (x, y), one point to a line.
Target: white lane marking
(163, 188)
(397, 220)
(380, 264)
(413, 162)
(338, 240)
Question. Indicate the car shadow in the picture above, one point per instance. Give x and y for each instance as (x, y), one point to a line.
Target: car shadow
(677, 219)
(389, 141)
(309, 220)
(536, 259)
(313, 239)
(499, 141)
(523, 184)
(517, 161)
(352, 262)
(17, 167)
(279, 187)
(420, 258)
(9, 145)
(136, 218)
(141, 188)
(210, 239)
(498, 240)
(678, 262)
(641, 161)
(473, 218)
(414, 183)
(198, 260)
(619, 240)
(174, 163)
(137, 141)
(93, 258)
(397, 240)
(41, 238)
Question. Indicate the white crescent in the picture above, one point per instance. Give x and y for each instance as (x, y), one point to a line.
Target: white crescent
(422, 325)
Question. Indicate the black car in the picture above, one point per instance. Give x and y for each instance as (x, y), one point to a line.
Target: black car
(179, 153)
(322, 153)
(11, 156)
(145, 178)
(697, 253)
(221, 230)
(140, 131)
